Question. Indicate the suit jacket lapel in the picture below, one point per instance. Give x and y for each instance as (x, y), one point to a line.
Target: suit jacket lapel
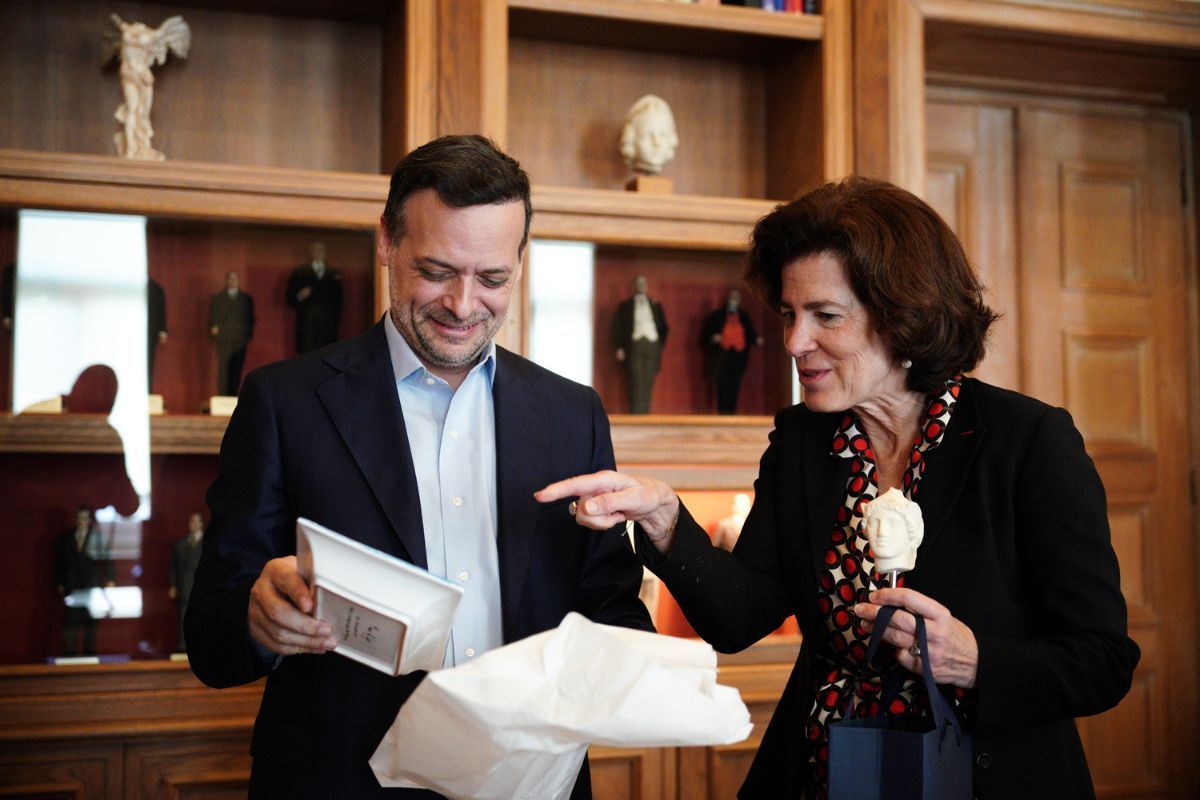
(519, 438)
(947, 467)
(364, 406)
(823, 480)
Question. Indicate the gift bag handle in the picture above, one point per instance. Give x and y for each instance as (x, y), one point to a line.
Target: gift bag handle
(939, 707)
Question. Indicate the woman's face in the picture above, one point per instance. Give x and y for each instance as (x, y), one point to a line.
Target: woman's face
(842, 361)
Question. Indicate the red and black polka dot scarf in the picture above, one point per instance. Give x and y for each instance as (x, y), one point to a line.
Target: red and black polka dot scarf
(843, 679)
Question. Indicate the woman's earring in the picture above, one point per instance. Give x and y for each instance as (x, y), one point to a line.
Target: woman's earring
(906, 363)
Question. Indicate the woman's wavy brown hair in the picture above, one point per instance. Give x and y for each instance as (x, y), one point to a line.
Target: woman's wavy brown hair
(902, 261)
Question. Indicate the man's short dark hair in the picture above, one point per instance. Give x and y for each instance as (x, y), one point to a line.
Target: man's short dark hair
(464, 171)
(902, 261)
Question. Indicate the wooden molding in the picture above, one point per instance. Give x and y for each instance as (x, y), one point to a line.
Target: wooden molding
(1161, 24)
(192, 190)
(729, 19)
(616, 217)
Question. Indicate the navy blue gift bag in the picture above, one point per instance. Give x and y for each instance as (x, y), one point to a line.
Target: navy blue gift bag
(892, 757)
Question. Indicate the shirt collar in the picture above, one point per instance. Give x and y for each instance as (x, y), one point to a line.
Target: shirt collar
(405, 362)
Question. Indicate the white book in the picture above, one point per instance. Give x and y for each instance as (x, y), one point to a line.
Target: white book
(386, 613)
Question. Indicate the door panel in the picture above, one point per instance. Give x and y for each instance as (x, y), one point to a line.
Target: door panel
(1103, 284)
(1086, 255)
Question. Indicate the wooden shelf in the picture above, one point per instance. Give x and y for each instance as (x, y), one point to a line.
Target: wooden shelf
(615, 217)
(700, 452)
(672, 27)
(191, 190)
(91, 433)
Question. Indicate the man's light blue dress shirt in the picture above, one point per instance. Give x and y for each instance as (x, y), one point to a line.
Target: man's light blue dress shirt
(452, 438)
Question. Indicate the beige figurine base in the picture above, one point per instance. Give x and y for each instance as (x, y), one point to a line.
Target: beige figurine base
(155, 404)
(650, 184)
(220, 405)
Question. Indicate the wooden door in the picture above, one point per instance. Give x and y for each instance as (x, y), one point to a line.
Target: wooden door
(1098, 290)
(1103, 249)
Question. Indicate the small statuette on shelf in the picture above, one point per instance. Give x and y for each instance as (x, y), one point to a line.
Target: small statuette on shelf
(648, 142)
(154, 404)
(221, 405)
(140, 47)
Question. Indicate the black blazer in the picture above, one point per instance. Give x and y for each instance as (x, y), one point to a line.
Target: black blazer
(1016, 546)
(322, 436)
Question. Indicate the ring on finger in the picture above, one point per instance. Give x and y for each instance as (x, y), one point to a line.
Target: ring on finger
(573, 507)
(914, 650)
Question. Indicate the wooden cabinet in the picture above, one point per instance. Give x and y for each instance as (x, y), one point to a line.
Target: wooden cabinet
(280, 127)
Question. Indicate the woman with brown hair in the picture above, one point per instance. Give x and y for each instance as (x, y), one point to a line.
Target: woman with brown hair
(1016, 577)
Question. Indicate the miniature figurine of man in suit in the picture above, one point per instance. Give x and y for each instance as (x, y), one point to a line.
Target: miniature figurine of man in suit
(639, 333)
(156, 325)
(231, 324)
(185, 555)
(315, 291)
(81, 561)
(726, 337)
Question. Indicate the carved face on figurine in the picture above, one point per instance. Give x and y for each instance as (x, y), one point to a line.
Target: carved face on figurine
(232, 281)
(316, 252)
(894, 527)
(195, 524)
(648, 140)
(733, 301)
(639, 284)
(452, 275)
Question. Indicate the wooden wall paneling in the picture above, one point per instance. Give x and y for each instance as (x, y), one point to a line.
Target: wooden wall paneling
(838, 90)
(409, 112)
(1103, 255)
(64, 771)
(971, 164)
(472, 64)
(795, 122)
(193, 768)
(889, 92)
(568, 103)
(622, 773)
(254, 89)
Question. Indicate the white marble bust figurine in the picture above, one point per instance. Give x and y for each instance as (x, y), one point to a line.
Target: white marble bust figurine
(894, 527)
(648, 140)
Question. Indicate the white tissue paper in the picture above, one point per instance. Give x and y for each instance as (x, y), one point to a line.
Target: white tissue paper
(515, 723)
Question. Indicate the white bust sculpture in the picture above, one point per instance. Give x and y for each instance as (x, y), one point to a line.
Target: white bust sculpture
(648, 140)
(894, 528)
(728, 529)
(140, 47)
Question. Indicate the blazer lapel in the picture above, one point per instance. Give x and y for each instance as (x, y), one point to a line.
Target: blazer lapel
(519, 438)
(363, 404)
(823, 479)
(948, 466)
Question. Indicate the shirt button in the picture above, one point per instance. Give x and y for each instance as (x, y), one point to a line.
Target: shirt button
(462, 575)
(470, 652)
(453, 434)
(457, 501)
(430, 381)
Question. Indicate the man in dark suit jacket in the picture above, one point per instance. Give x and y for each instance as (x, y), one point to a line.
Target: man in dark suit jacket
(81, 561)
(315, 291)
(156, 325)
(352, 438)
(185, 555)
(231, 324)
(726, 336)
(639, 334)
